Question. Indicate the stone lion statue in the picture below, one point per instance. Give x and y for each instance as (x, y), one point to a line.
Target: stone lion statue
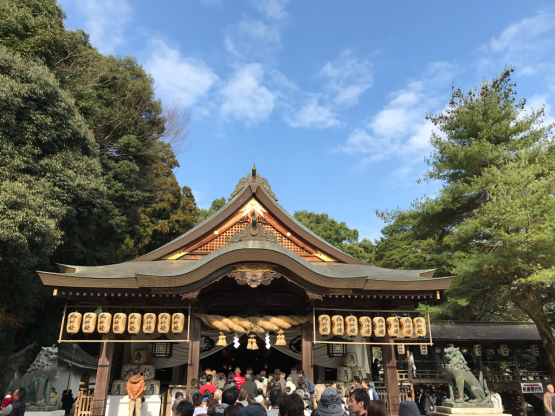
(461, 378)
(39, 377)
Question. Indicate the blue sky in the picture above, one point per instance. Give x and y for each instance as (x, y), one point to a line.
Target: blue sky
(327, 97)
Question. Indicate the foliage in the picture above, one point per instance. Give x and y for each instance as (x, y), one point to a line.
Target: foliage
(216, 205)
(493, 223)
(86, 162)
(337, 234)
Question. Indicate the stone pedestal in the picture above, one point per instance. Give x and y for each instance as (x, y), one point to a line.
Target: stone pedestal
(466, 409)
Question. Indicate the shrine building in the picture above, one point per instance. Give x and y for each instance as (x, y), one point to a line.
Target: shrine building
(249, 286)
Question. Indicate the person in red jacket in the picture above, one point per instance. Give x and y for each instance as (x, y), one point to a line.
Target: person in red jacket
(238, 378)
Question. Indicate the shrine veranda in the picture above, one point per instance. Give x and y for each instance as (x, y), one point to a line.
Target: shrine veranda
(252, 275)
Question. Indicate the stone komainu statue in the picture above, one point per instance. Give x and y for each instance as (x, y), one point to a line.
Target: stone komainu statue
(39, 377)
(460, 378)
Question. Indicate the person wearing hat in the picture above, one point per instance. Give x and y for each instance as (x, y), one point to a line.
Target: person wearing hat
(252, 410)
(408, 408)
(330, 403)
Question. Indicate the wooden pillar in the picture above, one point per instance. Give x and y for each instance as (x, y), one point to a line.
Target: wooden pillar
(127, 350)
(307, 347)
(391, 377)
(194, 351)
(98, 407)
(519, 379)
(370, 355)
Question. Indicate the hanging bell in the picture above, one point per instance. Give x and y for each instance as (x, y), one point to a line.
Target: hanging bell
(254, 345)
(221, 340)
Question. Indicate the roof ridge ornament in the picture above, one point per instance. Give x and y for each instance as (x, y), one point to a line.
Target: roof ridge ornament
(251, 178)
(254, 230)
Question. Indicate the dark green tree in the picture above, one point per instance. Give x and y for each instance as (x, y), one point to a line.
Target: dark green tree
(337, 234)
(493, 223)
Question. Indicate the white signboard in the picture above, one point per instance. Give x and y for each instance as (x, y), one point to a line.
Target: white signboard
(531, 387)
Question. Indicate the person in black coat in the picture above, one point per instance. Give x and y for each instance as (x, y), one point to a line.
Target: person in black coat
(420, 399)
(67, 401)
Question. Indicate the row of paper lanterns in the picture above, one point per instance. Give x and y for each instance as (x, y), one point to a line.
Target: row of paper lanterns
(351, 325)
(149, 322)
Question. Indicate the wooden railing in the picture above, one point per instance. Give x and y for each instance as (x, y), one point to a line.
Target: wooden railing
(83, 404)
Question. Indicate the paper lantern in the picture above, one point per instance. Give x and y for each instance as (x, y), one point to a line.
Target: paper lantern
(118, 388)
(379, 326)
(392, 325)
(350, 359)
(337, 325)
(419, 326)
(147, 371)
(324, 324)
(164, 323)
(401, 349)
(504, 350)
(344, 374)
(424, 349)
(120, 319)
(149, 323)
(535, 350)
(134, 323)
(104, 322)
(365, 326)
(178, 323)
(360, 372)
(89, 322)
(477, 350)
(405, 324)
(74, 322)
(140, 356)
(351, 326)
(127, 371)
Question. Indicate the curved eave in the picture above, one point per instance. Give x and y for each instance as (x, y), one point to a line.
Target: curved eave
(187, 273)
(213, 222)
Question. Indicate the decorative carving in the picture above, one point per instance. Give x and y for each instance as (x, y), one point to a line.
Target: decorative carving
(254, 278)
(254, 230)
(190, 295)
(313, 296)
(242, 183)
(264, 184)
(461, 378)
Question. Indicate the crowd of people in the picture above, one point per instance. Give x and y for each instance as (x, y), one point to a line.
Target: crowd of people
(276, 394)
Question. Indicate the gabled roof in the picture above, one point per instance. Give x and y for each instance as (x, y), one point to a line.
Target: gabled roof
(253, 186)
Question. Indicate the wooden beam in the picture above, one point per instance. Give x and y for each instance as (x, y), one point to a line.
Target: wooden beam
(519, 379)
(391, 377)
(307, 349)
(194, 351)
(98, 407)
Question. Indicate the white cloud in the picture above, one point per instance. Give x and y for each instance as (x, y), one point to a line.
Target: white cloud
(527, 44)
(312, 115)
(348, 77)
(252, 38)
(106, 22)
(400, 129)
(536, 102)
(274, 9)
(178, 78)
(245, 98)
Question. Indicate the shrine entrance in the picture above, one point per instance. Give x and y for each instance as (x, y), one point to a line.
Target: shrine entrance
(261, 359)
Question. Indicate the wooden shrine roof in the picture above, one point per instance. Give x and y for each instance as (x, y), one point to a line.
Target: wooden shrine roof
(251, 227)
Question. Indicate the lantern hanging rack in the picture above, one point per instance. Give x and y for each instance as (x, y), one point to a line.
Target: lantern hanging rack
(393, 341)
(171, 341)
